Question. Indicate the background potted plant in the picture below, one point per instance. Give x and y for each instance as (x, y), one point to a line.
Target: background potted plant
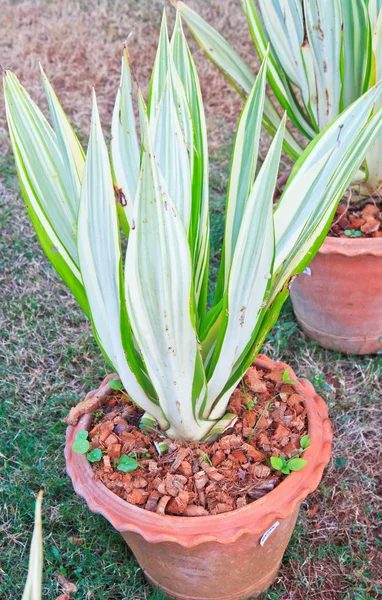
(331, 52)
(178, 361)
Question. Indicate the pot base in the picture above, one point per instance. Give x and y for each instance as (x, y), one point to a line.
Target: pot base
(251, 592)
(348, 345)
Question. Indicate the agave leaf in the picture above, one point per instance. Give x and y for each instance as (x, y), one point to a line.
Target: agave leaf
(209, 330)
(199, 236)
(39, 152)
(158, 292)
(33, 585)
(251, 273)
(374, 7)
(314, 170)
(316, 225)
(99, 253)
(240, 76)
(171, 151)
(312, 104)
(39, 165)
(243, 167)
(71, 150)
(124, 142)
(284, 24)
(160, 70)
(324, 30)
(374, 157)
(357, 50)
(221, 426)
(276, 76)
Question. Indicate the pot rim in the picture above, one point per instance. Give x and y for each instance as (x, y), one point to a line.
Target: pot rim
(252, 519)
(351, 246)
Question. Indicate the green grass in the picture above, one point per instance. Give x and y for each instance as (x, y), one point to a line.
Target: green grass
(49, 360)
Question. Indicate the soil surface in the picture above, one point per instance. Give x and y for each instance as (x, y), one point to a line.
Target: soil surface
(363, 221)
(196, 479)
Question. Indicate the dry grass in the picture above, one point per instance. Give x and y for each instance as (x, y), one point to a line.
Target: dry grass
(49, 359)
(79, 45)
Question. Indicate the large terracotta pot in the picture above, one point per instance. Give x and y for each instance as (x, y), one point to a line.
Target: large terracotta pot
(230, 556)
(339, 304)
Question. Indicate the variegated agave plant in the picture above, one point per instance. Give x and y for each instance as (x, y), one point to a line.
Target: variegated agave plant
(177, 360)
(328, 50)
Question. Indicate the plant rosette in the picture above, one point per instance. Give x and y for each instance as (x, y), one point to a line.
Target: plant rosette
(256, 534)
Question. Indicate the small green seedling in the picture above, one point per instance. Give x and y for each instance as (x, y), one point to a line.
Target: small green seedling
(352, 233)
(305, 442)
(286, 379)
(161, 447)
(268, 405)
(248, 402)
(97, 415)
(95, 455)
(81, 444)
(116, 385)
(204, 457)
(293, 464)
(127, 464)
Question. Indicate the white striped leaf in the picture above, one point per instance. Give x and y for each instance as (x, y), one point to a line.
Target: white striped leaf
(40, 167)
(42, 160)
(374, 8)
(172, 151)
(357, 50)
(276, 76)
(374, 157)
(99, 253)
(228, 61)
(324, 200)
(243, 167)
(221, 426)
(283, 20)
(71, 150)
(314, 170)
(324, 30)
(160, 70)
(312, 105)
(186, 69)
(249, 278)
(159, 300)
(321, 217)
(124, 144)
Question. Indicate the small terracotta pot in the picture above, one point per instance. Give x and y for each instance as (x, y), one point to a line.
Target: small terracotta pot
(339, 305)
(229, 556)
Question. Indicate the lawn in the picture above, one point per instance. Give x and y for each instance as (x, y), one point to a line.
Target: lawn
(49, 359)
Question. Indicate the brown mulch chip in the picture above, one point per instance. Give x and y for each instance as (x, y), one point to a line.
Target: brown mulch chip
(200, 478)
(363, 221)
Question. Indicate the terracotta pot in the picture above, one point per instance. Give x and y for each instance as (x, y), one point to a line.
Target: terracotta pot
(339, 305)
(228, 556)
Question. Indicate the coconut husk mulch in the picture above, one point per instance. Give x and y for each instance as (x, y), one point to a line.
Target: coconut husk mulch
(362, 221)
(199, 478)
